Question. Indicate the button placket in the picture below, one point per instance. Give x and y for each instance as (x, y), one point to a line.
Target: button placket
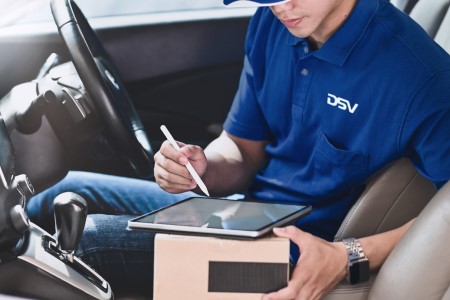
(304, 72)
(302, 81)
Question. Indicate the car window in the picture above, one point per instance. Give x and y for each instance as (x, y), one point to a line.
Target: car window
(29, 11)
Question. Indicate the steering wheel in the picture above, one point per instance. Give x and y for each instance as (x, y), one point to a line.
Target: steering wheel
(104, 86)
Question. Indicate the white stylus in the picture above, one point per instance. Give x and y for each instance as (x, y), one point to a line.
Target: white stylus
(190, 168)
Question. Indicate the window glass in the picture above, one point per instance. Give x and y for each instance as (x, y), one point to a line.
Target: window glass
(99, 8)
(28, 11)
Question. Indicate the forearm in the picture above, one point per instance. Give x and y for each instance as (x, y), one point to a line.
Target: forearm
(232, 163)
(225, 175)
(378, 247)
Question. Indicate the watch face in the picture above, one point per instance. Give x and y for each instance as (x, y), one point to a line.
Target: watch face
(359, 271)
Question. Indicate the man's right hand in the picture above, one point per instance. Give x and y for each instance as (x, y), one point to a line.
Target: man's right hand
(171, 173)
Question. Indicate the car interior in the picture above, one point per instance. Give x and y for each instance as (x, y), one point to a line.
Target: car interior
(98, 105)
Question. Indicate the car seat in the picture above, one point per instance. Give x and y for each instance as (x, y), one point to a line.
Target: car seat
(443, 33)
(392, 197)
(404, 5)
(430, 15)
(418, 268)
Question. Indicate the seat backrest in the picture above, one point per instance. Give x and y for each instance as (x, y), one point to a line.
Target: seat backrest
(392, 197)
(429, 14)
(404, 5)
(443, 34)
(419, 266)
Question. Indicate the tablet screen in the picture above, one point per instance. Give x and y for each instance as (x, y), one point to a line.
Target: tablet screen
(220, 215)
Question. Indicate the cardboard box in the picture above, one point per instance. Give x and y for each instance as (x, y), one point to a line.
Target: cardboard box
(192, 267)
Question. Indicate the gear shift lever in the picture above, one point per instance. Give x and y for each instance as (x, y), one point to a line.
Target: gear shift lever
(70, 217)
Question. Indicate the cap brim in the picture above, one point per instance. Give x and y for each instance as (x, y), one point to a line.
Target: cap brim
(250, 3)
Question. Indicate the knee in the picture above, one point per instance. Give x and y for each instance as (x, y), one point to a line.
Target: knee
(105, 233)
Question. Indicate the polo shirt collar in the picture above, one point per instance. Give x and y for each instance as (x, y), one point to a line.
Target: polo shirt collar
(338, 48)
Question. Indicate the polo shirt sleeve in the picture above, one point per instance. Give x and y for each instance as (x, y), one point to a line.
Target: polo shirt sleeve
(245, 118)
(427, 129)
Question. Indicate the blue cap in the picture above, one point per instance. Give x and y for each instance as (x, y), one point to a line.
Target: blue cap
(253, 2)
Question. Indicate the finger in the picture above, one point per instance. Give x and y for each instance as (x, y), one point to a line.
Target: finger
(290, 232)
(173, 178)
(167, 150)
(170, 166)
(169, 181)
(289, 292)
(175, 188)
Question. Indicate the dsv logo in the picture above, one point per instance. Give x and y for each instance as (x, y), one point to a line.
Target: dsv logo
(341, 103)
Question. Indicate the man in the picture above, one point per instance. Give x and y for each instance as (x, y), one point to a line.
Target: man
(331, 91)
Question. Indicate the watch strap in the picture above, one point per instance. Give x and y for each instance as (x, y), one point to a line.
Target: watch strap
(358, 264)
(354, 249)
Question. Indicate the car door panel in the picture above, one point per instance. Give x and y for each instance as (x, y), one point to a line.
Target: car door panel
(182, 74)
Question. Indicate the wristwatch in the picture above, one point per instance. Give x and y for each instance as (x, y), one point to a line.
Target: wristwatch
(358, 264)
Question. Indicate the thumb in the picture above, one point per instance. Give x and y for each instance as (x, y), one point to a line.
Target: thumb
(290, 232)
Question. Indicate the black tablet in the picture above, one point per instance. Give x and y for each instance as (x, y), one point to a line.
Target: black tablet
(220, 217)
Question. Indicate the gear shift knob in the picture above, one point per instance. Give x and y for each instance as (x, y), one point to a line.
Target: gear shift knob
(70, 217)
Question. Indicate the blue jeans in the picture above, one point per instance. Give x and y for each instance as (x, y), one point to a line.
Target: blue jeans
(123, 257)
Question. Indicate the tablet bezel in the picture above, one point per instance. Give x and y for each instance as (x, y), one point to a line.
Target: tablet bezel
(134, 223)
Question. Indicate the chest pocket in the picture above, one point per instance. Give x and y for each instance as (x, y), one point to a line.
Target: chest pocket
(337, 171)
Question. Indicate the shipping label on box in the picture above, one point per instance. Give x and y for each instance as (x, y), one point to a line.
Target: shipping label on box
(192, 267)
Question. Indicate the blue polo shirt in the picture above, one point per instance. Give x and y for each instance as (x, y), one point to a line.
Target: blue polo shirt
(376, 91)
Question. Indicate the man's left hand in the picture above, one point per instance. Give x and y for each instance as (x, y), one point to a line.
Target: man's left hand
(320, 267)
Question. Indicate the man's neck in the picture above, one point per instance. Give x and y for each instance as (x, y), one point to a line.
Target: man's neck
(333, 22)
